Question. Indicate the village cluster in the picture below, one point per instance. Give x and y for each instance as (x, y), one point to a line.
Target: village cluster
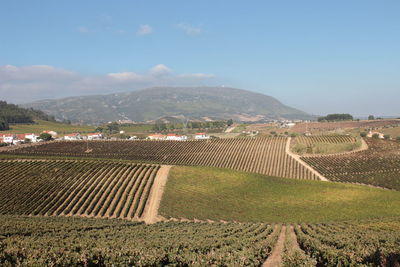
(16, 139)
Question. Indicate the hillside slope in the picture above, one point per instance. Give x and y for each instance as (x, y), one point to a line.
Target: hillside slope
(222, 194)
(153, 103)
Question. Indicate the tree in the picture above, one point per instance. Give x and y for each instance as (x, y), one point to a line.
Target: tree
(3, 124)
(398, 138)
(371, 117)
(45, 137)
(386, 136)
(363, 134)
(336, 117)
(229, 122)
(375, 136)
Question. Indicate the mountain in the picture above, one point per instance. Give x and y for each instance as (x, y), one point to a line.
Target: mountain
(10, 113)
(157, 102)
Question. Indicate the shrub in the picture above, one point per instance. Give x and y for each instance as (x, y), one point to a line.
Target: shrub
(375, 136)
(386, 136)
(363, 134)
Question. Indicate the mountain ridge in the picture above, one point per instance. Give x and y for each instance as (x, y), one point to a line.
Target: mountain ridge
(156, 102)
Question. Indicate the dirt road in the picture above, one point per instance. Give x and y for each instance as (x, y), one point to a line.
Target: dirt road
(150, 214)
(275, 259)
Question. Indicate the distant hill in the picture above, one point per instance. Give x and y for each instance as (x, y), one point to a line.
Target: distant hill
(154, 103)
(10, 113)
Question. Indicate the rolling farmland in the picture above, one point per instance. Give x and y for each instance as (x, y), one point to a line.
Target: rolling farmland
(222, 194)
(258, 155)
(75, 188)
(378, 166)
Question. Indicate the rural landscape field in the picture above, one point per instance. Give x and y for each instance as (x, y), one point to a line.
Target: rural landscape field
(200, 133)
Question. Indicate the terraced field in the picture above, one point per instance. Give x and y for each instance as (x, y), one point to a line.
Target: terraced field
(378, 166)
(258, 155)
(75, 188)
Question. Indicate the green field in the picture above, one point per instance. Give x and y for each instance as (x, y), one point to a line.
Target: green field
(41, 126)
(221, 194)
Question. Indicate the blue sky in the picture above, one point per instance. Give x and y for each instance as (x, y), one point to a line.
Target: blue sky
(319, 56)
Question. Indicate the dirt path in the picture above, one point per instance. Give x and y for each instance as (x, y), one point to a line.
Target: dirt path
(150, 214)
(230, 129)
(293, 238)
(275, 259)
(297, 157)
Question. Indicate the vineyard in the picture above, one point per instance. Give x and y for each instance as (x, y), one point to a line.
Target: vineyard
(54, 241)
(328, 139)
(258, 155)
(378, 166)
(325, 144)
(331, 126)
(75, 188)
(39, 241)
(375, 243)
(222, 194)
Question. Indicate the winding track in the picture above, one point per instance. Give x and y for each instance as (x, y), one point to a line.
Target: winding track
(299, 160)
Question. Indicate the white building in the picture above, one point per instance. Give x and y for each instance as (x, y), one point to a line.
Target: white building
(176, 137)
(201, 136)
(380, 135)
(73, 137)
(94, 136)
(32, 137)
(156, 137)
(8, 138)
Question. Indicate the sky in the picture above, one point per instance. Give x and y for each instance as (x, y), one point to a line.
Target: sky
(322, 57)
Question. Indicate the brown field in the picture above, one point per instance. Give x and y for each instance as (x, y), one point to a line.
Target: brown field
(258, 155)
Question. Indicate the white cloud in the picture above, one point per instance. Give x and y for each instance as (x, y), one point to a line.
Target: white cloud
(190, 29)
(144, 29)
(29, 83)
(83, 29)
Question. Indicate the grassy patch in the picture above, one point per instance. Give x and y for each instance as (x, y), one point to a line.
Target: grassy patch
(221, 194)
(325, 148)
(41, 126)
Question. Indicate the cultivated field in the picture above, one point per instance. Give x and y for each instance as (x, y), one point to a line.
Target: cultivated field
(324, 144)
(75, 188)
(378, 166)
(331, 126)
(39, 241)
(258, 155)
(40, 126)
(221, 194)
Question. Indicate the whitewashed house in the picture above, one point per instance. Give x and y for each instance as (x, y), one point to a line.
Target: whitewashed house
(73, 137)
(94, 136)
(176, 137)
(371, 134)
(32, 137)
(156, 137)
(201, 136)
(8, 138)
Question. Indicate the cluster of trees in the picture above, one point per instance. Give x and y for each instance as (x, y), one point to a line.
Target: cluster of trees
(10, 113)
(161, 126)
(110, 128)
(336, 117)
